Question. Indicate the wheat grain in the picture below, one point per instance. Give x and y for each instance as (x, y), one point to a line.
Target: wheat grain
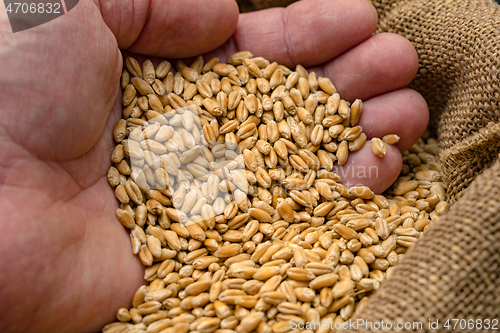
(223, 176)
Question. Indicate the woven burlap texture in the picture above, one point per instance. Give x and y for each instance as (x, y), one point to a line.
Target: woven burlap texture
(453, 272)
(459, 66)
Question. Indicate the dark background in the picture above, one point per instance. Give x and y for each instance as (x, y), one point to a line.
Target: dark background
(247, 5)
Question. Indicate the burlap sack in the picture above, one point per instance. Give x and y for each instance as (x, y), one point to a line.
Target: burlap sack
(453, 272)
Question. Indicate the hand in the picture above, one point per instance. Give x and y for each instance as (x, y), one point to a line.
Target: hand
(334, 39)
(66, 262)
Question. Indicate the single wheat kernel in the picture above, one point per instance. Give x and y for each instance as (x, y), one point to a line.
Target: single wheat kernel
(391, 139)
(378, 147)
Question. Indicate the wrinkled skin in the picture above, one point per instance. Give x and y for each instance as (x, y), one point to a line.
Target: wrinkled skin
(65, 261)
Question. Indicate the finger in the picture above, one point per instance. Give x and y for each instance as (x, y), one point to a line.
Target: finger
(170, 28)
(403, 112)
(383, 63)
(364, 168)
(308, 32)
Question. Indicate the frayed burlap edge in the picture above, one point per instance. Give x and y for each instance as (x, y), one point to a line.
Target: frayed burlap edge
(477, 152)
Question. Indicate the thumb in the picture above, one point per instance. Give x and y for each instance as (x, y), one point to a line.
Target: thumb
(170, 28)
(59, 81)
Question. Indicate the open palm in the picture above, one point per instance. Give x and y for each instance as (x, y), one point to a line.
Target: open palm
(65, 261)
